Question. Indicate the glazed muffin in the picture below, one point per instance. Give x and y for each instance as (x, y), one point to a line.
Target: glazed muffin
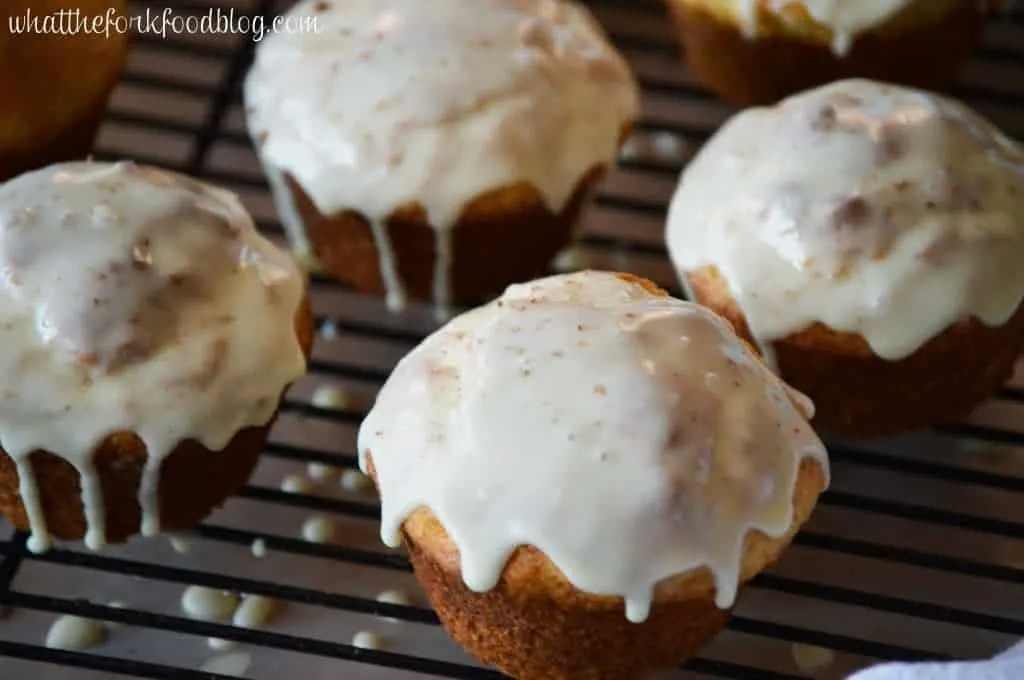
(585, 471)
(147, 333)
(870, 238)
(759, 51)
(437, 150)
(54, 85)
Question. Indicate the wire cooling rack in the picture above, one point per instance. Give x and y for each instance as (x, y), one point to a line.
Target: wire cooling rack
(917, 551)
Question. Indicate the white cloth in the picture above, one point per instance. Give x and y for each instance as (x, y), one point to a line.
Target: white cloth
(1007, 666)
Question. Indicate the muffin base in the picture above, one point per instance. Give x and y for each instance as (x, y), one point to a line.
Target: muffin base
(503, 236)
(533, 638)
(858, 394)
(194, 481)
(535, 625)
(774, 66)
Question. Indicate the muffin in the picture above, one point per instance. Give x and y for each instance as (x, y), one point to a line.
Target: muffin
(870, 238)
(437, 150)
(759, 51)
(585, 471)
(147, 333)
(55, 81)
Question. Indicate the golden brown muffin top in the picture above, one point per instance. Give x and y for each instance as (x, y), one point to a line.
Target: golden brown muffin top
(629, 436)
(50, 80)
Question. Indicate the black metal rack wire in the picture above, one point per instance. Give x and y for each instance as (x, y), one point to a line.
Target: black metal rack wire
(917, 552)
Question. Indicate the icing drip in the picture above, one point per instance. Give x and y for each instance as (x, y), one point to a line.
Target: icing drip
(296, 484)
(317, 529)
(747, 10)
(149, 498)
(355, 481)
(287, 211)
(220, 645)
(396, 297)
(39, 541)
(321, 473)
(366, 639)
(846, 19)
(208, 604)
(331, 397)
(233, 665)
(811, 659)
(180, 543)
(897, 214)
(394, 103)
(442, 266)
(75, 634)
(642, 418)
(120, 292)
(255, 611)
(92, 504)
(394, 597)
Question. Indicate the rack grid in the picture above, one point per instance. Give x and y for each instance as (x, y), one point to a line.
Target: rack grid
(917, 551)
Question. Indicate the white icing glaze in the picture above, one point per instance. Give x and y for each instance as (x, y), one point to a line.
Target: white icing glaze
(811, 658)
(259, 548)
(400, 102)
(297, 484)
(135, 300)
(208, 604)
(895, 214)
(355, 481)
(331, 397)
(305, 258)
(569, 260)
(288, 214)
(73, 633)
(846, 19)
(180, 544)
(642, 418)
(234, 665)
(747, 11)
(397, 597)
(321, 472)
(394, 597)
(668, 146)
(365, 639)
(220, 644)
(317, 529)
(632, 148)
(112, 625)
(329, 330)
(255, 611)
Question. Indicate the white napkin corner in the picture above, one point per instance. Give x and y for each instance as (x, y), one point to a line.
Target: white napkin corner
(1006, 666)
